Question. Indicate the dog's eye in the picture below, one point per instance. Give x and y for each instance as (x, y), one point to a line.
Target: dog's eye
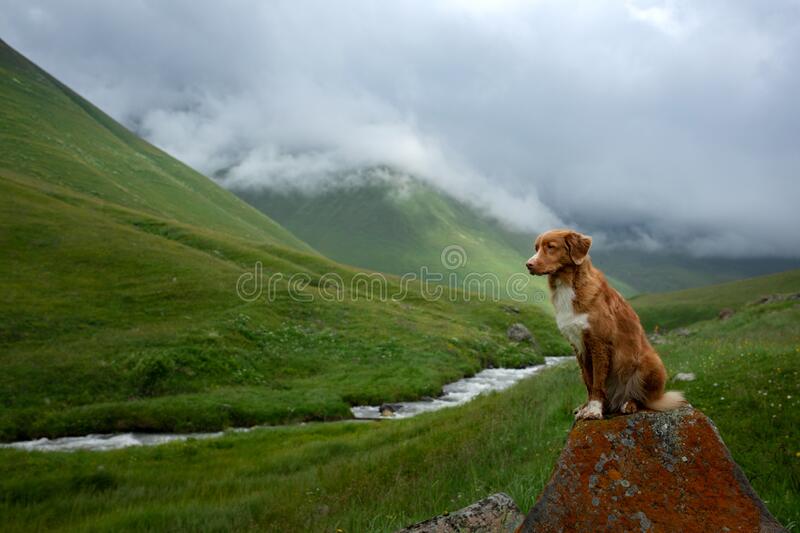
(551, 246)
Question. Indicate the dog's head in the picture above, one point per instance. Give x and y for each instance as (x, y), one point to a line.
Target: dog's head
(556, 249)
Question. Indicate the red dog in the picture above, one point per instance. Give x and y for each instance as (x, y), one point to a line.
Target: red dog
(622, 372)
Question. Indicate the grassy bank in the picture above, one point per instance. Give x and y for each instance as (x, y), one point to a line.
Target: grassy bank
(675, 309)
(380, 476)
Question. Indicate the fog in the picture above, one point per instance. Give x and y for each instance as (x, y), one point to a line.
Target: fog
(659, 125)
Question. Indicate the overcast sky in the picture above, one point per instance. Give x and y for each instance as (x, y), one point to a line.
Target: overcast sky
(667, 123)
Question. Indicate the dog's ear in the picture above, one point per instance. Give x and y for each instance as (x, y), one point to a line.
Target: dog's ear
(577, 246)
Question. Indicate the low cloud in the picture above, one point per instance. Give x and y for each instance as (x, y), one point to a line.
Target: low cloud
(657, 124)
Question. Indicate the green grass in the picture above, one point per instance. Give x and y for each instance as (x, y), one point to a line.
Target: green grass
(119, 312)
(380, 476)
(748, 382)
(142, 328)
(675, 309)
(53, 135)
(119, 307)
(663, 271)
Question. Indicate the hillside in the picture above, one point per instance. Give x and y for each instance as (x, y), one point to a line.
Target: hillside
(675, 309)
(120, 309)
(666, 271)
(51, 134)
(380, 477)
(384, 220)
(120, 312)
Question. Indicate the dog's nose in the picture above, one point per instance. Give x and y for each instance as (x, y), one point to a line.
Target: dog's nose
(529, 264)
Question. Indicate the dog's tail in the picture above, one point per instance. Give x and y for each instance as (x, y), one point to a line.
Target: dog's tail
(671, 399)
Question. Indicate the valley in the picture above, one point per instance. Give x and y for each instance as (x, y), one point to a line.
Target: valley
(122, 311)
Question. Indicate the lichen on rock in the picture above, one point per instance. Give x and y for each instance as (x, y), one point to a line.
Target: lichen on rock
(649, 471)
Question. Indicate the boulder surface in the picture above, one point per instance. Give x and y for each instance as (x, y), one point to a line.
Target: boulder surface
(517, 332)
(496, 514)
(645, 472)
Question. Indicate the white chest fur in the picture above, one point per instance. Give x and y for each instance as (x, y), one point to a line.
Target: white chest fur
(570, 323)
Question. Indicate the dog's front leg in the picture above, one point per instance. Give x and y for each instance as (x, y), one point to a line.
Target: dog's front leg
(586, 372)
(598, 354)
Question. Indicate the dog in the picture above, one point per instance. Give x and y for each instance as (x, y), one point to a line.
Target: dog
(621, 370)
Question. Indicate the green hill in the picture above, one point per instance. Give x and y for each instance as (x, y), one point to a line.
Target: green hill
(384, 220)
(672, 271)
(675, 309)
(51, 134)
(119, 312)
(381, 219)
(119, 305)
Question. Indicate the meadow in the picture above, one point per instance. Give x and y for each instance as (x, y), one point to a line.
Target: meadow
(120, 312)
(378, 476)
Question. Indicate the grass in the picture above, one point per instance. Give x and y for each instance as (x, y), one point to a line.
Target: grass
(675, 309)
(50, 133)
(144, 329)
(381, 476)
(120, 310)
(666, 271)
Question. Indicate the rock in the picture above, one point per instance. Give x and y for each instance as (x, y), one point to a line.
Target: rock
(683, 332)
(765, 299)
(496, 514)
(388, 409)
(685, 376)
(510, 309)
(656, 338)
(726, 313)
(777, 298)
(648, 472)
(518, 333)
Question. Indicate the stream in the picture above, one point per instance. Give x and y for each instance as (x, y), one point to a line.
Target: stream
(456, 393)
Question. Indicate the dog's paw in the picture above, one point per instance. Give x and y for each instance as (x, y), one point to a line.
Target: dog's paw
(629, 407)
(579, 408)
(591, 411)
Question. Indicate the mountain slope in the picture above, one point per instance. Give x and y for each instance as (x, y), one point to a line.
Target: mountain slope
(384, 220)
(49, 132)
(665, 271)
(121, 307)
(674, 309)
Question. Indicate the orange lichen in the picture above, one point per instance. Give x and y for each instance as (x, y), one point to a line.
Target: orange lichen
(648, 472)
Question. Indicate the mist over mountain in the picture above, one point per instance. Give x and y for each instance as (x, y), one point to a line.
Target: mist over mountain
(663, 125)
(383, 219)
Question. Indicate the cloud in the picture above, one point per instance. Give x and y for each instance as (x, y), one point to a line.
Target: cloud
(662, 124)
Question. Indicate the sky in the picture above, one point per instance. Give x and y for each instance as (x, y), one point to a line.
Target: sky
(664, 125)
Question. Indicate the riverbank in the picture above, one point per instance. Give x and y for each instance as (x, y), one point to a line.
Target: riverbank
(453, 394)
(380, 477)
